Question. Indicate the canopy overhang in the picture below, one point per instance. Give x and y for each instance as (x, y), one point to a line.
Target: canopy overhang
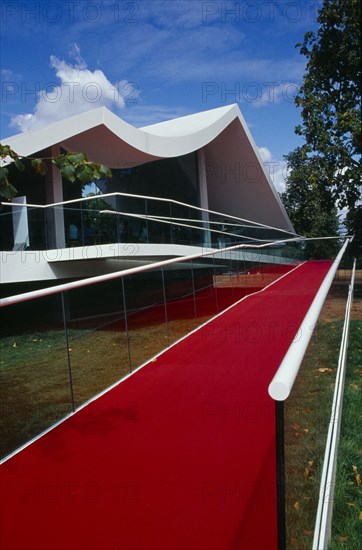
(237, 181)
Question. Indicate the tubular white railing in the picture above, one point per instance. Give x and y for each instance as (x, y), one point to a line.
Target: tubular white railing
(282, 383)
(323, 524)
(157, 199)
(175, 221)
(131, 271)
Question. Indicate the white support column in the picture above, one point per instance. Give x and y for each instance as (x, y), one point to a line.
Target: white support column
(20, 224)
(54, 193)
(204, 199)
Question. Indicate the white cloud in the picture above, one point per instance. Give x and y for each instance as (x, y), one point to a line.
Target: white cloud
(74, 53)
(276, 169)
(7, 75)
(80, 90)
(265, 154)
(276, 92)
(279, 177)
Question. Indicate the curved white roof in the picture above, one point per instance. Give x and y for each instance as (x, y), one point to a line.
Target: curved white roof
(191, 124)
(162, 140)
(221, 132)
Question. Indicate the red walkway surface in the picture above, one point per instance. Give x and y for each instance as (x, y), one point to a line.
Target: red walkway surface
(180, 456)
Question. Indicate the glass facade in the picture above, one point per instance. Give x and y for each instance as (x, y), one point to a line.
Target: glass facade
(31, 185)
(87, 223)
(175, 178)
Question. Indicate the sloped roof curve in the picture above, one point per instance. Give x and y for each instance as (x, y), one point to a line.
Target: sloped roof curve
(108, 139)
(166, 139)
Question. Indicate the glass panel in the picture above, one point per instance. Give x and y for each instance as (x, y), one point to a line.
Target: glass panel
(180, 296)
(97, 337)
(115, 326)
(205, 291)
(73, 224)
(159, 231)
(32, 235)
(99, 224)
(132, 228)
(37, 223)
(184, 219)
(91, 222)
(173, 177)
(6, 228)
(146, 315)
(225, 280)
(35, 390)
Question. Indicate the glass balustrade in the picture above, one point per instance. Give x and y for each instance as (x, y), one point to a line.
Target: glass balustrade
(35, 385)
(61, 350)
(97, 338)
(123, 218)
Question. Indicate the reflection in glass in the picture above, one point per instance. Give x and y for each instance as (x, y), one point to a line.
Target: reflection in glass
(34, 375)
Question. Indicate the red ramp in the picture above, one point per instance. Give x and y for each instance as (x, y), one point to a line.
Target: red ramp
(179, 456)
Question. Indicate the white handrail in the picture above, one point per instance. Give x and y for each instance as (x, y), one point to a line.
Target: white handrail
(171, 221)
(161, 199)
(282, 383)
(199, 220)
(123, 273)
(323, 524)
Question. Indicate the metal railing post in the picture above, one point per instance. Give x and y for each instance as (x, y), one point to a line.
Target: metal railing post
(323, 524)
(165, 305)
(68, 353)
(280, 461)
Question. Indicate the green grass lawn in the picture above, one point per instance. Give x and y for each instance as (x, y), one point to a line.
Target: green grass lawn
(307, 415)
(347, 511)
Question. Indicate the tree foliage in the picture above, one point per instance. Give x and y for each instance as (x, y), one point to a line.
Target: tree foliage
(309, 202)
(330, 97)
(325, 171)
(353, 223)
(73, 166)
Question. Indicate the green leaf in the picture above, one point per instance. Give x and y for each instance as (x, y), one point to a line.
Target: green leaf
(96, 174)
(4, 150)
(7, 191)
(61, 161)
(4, 172)
(19, 165)
(12, 190)
(84, 173)
(75, 158)
(105, 171)
(39, 166)
(68, 172)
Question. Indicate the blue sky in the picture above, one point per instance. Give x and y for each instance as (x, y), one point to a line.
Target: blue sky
(152, 60)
